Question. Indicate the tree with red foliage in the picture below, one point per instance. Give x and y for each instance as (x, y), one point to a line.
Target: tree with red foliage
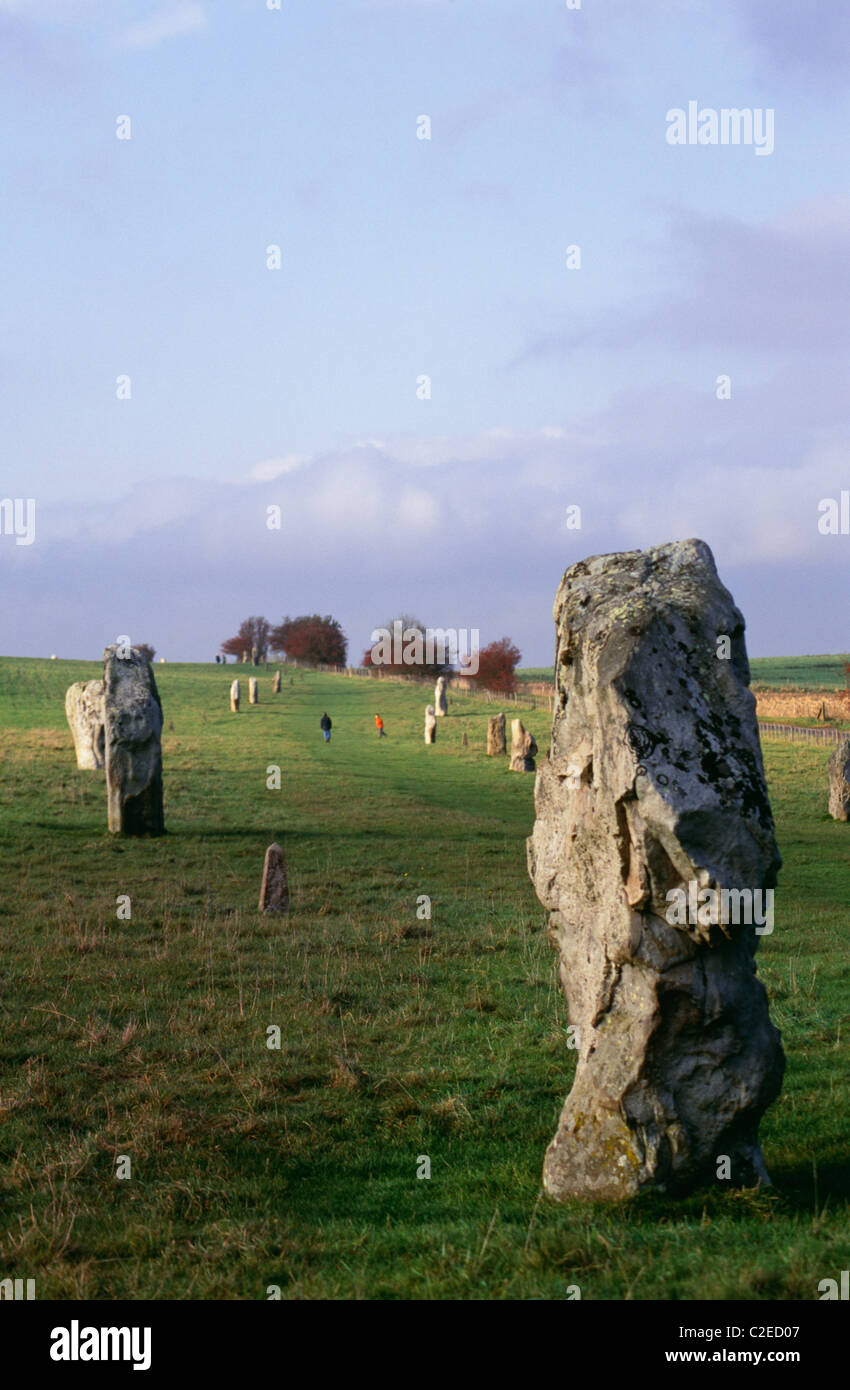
(253, 632)
(310, 638)
(497, 665)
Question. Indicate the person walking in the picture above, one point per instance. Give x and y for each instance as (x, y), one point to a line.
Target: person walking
(326, 726)
(379, 725)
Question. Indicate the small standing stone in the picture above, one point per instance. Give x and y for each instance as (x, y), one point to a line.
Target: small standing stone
(839, 780)
(274, 892)
(276, 686)
(496, 745)
(84, 712)
(235, 692)
(132, 718)
(441, 701)
(430, 725)
(464, 743)
(523, 748)
(253, 691)
(255, 657)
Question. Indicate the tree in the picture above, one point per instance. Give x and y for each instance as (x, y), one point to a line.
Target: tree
(497, 665)
(253, 632)
(310, 638)
(405, 650)
(147, 651)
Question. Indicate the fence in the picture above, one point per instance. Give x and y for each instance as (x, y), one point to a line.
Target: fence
(455, 687)
(792, 733)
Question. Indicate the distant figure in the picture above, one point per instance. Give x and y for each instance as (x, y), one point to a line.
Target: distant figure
(326, 727)
(379, 725)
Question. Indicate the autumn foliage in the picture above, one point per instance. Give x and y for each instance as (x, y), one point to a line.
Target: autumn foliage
(311, 639)
(497, 665)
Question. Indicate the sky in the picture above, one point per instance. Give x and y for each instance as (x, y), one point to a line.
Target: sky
(276, 294)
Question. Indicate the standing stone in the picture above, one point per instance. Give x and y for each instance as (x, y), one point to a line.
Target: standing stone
(653, 791)
(441, 703)
(235, 692)
(523, 748)
(496, 746)
(464, 743)
(84, 712)
(255, 657)
(276, 686)
(274, 891)
(839, 780)
(132, 737)
(430, 725)
(253, 691)
(244, 657)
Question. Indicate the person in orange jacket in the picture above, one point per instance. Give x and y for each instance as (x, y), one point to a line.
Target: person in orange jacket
(379, 725)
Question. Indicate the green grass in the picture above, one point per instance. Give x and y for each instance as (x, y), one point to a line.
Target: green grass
(805, 672)
(400, 1037)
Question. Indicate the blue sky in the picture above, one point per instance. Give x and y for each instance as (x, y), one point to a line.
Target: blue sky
(403, 257)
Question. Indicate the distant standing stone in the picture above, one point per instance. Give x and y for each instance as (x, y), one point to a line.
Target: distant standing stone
(441, 702)
(430, 725)
(253, 691)
(276, 686)
(464, 741)
(496, 745)
(235, 692)
(839, 780)
(84, 712)
(523, 748)
(274, 893)
(133, 744)
(255, 657)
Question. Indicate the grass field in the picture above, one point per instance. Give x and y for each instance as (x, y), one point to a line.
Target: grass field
(804, 672)
(401, 1037)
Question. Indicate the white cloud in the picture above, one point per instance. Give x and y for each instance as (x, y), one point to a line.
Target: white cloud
(187, 17)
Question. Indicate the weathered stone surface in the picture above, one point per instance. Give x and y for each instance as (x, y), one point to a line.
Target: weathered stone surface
(235, 693)
(523, 748)
(276, 685)
(496, 745)
(441, 699)
(430, 725)
(84, 712)
(132, 736)
(274, 890)
(253, 691)
(654, 784)
(839, 780)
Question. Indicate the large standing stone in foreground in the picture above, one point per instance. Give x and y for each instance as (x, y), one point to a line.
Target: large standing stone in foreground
(235, 693)
(430, 725)
(253, 691)
(84, 712)
(274, 890)
(839, 780)
(654, 786)
(496, 746)
(132, 729)
(441, 701)
(523, 748)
